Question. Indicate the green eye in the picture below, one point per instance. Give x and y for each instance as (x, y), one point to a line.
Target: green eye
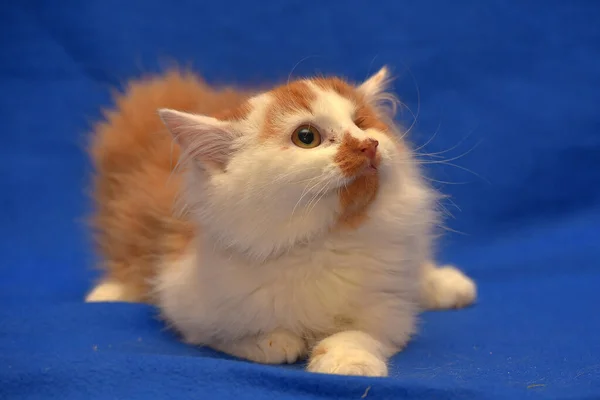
(306, 136)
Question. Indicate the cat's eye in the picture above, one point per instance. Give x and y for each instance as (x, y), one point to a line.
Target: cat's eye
(306, 136)
(359, 121)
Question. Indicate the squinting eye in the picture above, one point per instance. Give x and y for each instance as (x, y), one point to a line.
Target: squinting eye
(306, 136)
(359, 121)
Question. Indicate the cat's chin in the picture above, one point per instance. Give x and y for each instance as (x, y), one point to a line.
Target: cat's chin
(370, 170)
(371, 167)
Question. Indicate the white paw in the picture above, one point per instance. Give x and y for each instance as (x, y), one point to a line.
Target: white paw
(278, 347)
(107, 291)
(447, 287)
(346, 361)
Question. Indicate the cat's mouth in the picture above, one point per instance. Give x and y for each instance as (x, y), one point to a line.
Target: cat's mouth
(369, 170)
(371, 166)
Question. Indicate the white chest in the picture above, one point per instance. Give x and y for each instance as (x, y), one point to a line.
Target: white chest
(309, 290)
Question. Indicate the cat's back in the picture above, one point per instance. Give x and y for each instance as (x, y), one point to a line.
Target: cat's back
(134, 185)
(132, 134)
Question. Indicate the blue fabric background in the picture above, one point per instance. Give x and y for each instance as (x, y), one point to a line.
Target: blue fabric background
(510, 88)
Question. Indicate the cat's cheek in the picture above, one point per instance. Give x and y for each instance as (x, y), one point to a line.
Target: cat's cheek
(387, 167)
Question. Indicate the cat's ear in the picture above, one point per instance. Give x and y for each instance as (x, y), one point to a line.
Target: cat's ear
(375, 84)
(205, 139)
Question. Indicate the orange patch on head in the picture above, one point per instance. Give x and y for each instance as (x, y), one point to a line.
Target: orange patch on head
(340, 87)
(293, 97)
(365, 116)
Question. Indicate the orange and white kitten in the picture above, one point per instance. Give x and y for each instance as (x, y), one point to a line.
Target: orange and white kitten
(296, 224)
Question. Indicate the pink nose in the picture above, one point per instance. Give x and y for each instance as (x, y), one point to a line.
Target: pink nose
(369, 148)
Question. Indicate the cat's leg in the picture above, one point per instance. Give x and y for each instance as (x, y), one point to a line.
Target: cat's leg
(109, 290)
(278, 347)
(446, 287)
(350, 353)
(106, 291)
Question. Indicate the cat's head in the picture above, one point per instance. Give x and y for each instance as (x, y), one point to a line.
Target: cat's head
(290, 164)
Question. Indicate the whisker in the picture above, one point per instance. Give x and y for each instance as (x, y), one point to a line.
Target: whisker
(313, 198)
(280, 177)
(290, 75)
(370, 65)
(447, 150)
(323, 192)
(452, 230)
(448, 162)
(430, 139)
(418, 101)
(296, 66)
(445, 211)
(445, 182)
(453, 204)
(461, 168)
(304, 193)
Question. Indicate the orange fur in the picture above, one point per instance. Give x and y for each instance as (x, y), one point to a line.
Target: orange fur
(238, 112)
(134, 185)
(287, 99)
(218, 295)
(358, 195)
(339, 86)
(355, 200)
(349, 157)
(364, 116)
(134, 156)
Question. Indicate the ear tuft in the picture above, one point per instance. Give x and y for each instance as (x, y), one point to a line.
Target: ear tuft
(205, 139)
(376, 83)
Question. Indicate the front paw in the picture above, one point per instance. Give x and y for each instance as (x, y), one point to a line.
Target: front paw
(278, 347)
(346, 361)
(447, 287)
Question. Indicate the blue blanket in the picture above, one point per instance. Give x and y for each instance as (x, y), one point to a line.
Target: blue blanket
(507, 100)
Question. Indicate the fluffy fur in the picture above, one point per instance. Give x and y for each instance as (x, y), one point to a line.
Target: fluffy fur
(257, 247)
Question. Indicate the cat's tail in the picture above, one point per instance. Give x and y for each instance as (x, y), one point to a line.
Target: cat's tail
(134, 186)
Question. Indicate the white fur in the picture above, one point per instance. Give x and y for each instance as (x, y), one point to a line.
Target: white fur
(447, 287)
(106, 291)
(277, 347)
(268, 280)
(376, 84)
(350, 353)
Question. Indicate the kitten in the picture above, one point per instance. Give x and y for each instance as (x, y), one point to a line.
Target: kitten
(296, 224)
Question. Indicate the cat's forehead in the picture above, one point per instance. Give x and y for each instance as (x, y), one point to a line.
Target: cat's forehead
(330, 98)
(305, 101)
(317, 95)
